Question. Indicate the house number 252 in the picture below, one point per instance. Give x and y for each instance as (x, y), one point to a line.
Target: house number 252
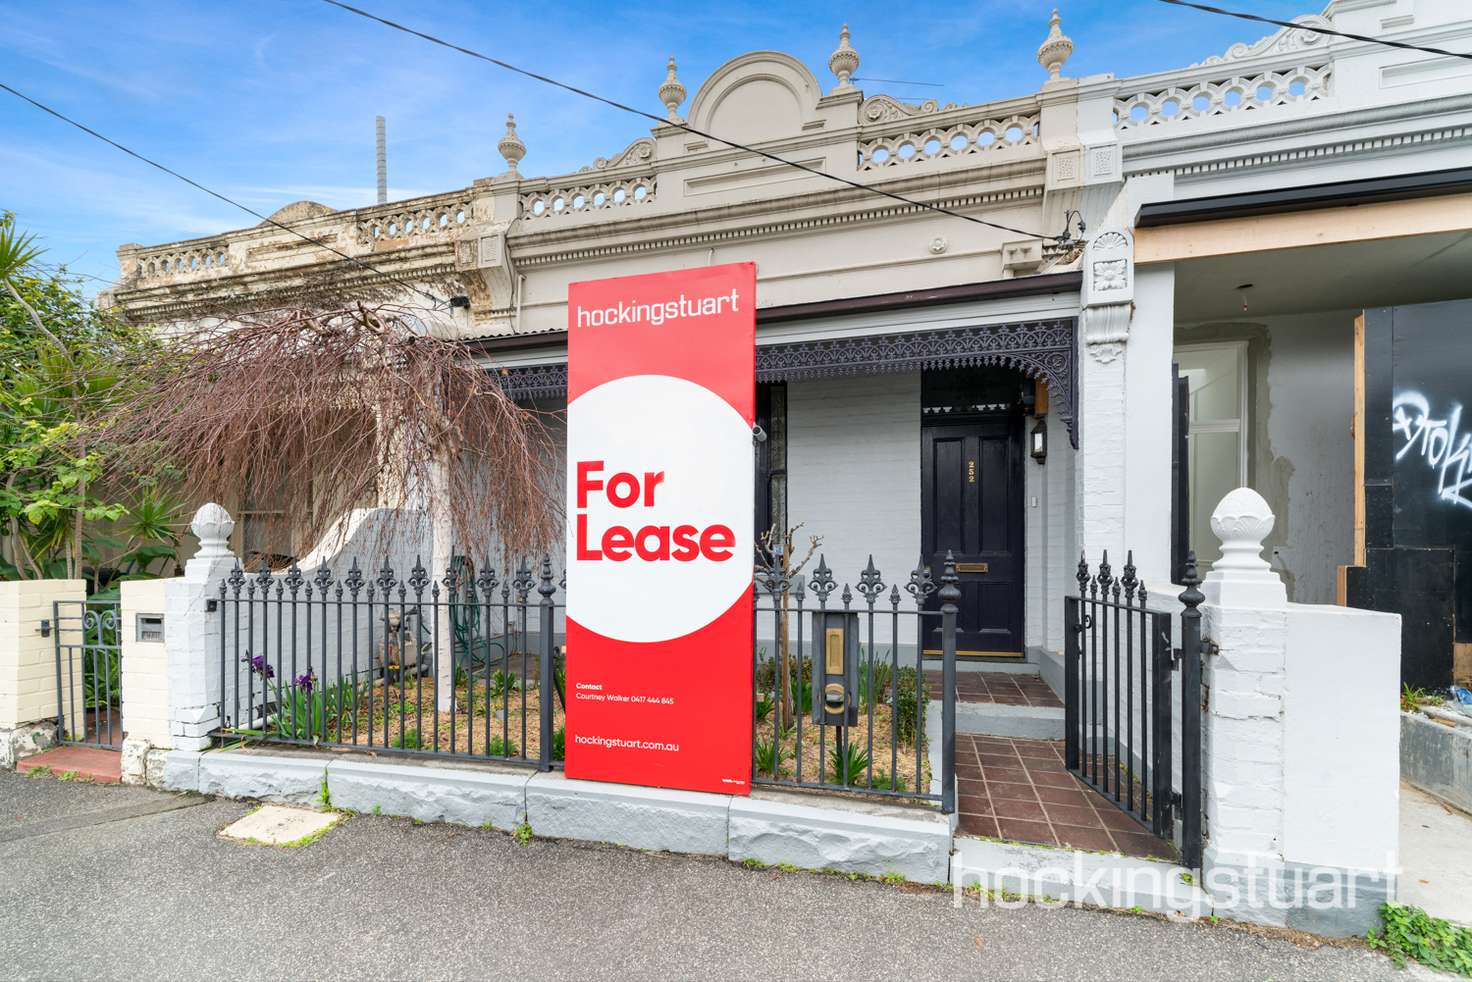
(970, 472)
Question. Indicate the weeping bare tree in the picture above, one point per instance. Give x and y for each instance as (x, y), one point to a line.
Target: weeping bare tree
(319, 409)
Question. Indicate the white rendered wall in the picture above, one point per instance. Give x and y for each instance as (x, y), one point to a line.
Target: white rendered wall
(1341, 730)
(1147, 421)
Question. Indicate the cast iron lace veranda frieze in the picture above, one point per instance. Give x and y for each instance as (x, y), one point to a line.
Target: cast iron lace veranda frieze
(1043, 350)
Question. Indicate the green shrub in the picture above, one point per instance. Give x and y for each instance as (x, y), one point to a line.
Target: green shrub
(559, 744)
(884, 782)
(770, 757)
(766, 672)
(909, 703)
(762, 707)
(851, 759)
(802, 692)
(502, 683)
(1411, 933)
(408, 740)
(497, 747)
(1414, 697)
(880, 671)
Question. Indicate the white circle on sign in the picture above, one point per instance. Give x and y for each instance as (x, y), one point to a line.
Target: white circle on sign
(653, 424)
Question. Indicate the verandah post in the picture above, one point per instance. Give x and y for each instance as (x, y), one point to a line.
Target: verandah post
(1070, 682)
(548, 685)
(949, 595)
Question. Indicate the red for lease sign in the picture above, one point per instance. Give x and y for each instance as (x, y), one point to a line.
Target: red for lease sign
(661, 402)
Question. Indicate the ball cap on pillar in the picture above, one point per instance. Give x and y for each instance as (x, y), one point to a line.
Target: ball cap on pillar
(212, 526)
(1241, 577)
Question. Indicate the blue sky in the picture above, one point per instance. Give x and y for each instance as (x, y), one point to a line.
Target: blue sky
(272, 101)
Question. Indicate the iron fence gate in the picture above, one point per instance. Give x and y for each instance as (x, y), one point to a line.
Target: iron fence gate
(1122, 735)
(89, 695)
(470, 665)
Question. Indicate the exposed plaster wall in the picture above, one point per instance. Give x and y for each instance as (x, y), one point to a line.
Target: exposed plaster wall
(1301, 450)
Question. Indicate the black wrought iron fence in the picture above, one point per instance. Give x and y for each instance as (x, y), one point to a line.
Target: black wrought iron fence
(1122, 735)
(466, 666)
(841, 695)
(89, 692)
(472, 666)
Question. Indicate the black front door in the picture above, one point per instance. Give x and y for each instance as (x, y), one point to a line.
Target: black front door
(971, 487)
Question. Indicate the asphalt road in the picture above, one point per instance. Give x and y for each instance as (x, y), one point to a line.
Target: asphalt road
(103, 883)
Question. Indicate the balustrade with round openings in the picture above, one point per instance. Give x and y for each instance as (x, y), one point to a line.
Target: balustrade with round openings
(432, 221)
(1214, 98)
(588, 198)
(172, 262)
(959, 140)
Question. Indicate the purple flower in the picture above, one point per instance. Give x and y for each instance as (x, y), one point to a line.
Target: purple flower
(261, 667)
(304, 682)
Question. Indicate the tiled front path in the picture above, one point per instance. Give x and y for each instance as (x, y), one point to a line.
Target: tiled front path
(1020, 790)
(92, 763)
(1002, 688)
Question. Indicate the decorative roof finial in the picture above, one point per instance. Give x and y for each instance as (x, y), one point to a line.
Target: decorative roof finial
(511, 146)
(672, 93)
(844, 61)
(1056, 47)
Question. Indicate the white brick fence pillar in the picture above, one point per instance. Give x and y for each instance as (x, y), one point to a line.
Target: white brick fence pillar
(28, 685)
(192, 632)
(1299, 743)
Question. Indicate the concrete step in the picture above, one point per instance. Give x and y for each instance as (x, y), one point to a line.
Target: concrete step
(1047, 875)
(997, 719)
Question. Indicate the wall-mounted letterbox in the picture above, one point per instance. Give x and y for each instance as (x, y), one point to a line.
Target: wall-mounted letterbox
(836, 669)
(150, 627)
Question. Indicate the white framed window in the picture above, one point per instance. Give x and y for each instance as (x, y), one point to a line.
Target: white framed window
(1217, 436)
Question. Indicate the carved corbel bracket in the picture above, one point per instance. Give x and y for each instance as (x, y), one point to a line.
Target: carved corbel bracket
(483, 258)
(1106, 330)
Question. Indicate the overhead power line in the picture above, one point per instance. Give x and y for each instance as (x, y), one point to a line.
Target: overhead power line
(895, 81)
(1404, 46)
(662, 121)
(216, 194)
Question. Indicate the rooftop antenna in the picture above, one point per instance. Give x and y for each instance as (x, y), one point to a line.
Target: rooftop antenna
(382, 160)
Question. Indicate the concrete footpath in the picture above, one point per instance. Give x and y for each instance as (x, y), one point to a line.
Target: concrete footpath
(1435, 874)
(129, 883)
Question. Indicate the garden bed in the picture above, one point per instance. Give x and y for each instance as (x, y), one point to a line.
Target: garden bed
(496, 718)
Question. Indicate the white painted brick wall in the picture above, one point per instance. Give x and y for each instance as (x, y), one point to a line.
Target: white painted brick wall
(192, 640)
(1243, 740)
(853, 464)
